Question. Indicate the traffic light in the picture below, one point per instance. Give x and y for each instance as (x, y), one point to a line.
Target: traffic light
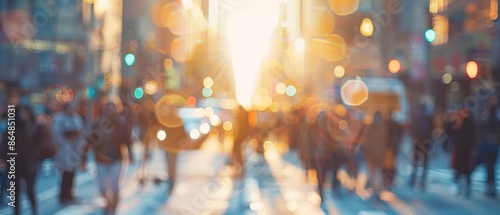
(91, 92)
(430, 35)
(129, 59)
(138, 93)
(394, 66)
(472, 69)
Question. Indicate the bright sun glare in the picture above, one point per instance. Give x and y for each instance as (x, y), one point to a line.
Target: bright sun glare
(249, 32)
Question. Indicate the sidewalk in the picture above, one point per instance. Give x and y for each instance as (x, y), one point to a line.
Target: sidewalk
(273, 184)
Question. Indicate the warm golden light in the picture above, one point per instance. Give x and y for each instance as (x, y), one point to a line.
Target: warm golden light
(394, 66)
(339, 71)
(300, 44)
(249, 32)
(176, 23)
(167, 63)
(343, 124)
(161, 135)
(151, 87)
(164, 13)
(493, 9)
(354, 92)
(178, 50)
(366, 28)
(208, 82)
(280, 88)
(472, 69)
(188, 4)
(227, 126)
(165, 110)
(343, 7)
(331, 48)
(215, 120)
(101, 6)
(447, 78)
(441, 27)
(209, 111)
(323, 22)
(204, 128)
(194, 134)
(433, 6)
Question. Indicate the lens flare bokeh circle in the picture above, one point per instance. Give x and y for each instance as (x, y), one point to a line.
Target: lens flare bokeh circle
(166, 110)
(354, 92)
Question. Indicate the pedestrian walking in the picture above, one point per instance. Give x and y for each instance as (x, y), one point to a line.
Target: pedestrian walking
(318, 153)
(26, 148)
(111, 137)
(390, 159)
(421, 130)
(241, 133)
(375, 147)
(67, 129)
(462, 131)
(172, 138)
(489, 132)
(146, 120)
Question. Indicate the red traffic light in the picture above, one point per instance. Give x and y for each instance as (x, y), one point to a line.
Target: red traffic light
(472, 69)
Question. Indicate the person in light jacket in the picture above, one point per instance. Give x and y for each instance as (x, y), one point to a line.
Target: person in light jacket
(68, 128)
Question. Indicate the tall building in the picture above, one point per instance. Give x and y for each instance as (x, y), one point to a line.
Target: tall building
(466, 34)
(42, 43)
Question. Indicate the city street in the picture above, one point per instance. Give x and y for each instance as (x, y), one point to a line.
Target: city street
(275, 185)
(248, 106)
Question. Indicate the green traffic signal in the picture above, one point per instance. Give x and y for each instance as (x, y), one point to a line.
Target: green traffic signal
(430, 35)
(138, 93)
(129, 59)
(91, 92)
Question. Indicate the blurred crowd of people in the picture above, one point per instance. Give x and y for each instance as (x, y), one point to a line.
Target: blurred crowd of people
(334, 136)
(72, 135)
(327, 137)
(65, 138)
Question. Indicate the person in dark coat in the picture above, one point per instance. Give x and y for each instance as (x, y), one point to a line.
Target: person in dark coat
(146, 120)
(391, 154)
(294, 123)
(26, 148)
(374, 149)
(421, 129)
(489, 142)
(319, 153)
(462, 131)
(241, 133)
